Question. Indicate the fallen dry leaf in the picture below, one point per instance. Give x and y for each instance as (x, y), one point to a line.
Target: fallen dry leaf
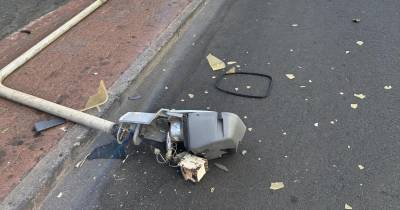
(215, 63)
(354, 106)
(387, 87)
(290, 76)
(347, 206)
(276, 185)
(231, 70)
(360, 95)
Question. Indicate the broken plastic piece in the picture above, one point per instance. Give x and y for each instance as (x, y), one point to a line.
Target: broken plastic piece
(44, 125)
(193, 168)
(215, 63)
(100, 98)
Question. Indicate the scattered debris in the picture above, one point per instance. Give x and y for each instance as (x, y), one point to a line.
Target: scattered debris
(361, 167)
(222, 167)
(80, 163)
(347, 206)
(348, 147)
(316, 124)
(63, 129)
(215, 63)
(295, 25)
(354, 106)
(100, 98)
(212, 189)
(360, 95)
(290, 76)
(182, 100)
(244, 152)
(332, 122)
(236, 89)
(347, 51)
(250, 129)
(341, 93)
(310, 81)
(166, 87)
(302, 86)
(213, 77)
(237, 66)
(193, 168)
(284, 133)
(356, 20)
(231, 70)
(248, 86)
(4, 130)
(245, 117)
(231, 62)
(136, 97)
(387, 87)
(206, 92)
(44, 125)
(60, 195)
(276, 185)
(360, 43)
(191, 95)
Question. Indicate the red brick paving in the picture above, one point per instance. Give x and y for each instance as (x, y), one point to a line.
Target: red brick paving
(101, 47)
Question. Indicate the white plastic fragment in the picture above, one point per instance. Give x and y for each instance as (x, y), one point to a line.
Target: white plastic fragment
(341, 93)
(236, 89)
(248, 86)
(347, 206)
(244, 152)
(290, 76)
(361, 167)
(354, 106)
(295, 25)
(316, 124)
(212, 189)
(387, 87)
(206, 92)
(359, 95)
(276, 185)
(191, 95)
(360, 43)
(250, 129)
(347, 51)
(231, 62)
(60, 195)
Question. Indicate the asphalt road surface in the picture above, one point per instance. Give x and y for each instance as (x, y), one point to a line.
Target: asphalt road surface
(14, 14)
(305, 134)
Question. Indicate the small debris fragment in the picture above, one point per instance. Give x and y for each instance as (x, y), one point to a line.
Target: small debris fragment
(347, 51)
(244, 152)
(259, 141)
(231, 62)
(248, 86)
(348, 147)
(222, 167)
(360, 43)
(95, 73)
(361, 167)
(276, 185)
(77, 144)
(250, 129)
(60, 195)
(182, 100)
(341, 93)
(290, 76)
(166, 87)
(213, 77)
(237, 66)
(236, 89)
(208, 108)
(360, 96)
(231, 71)
(206, 92)
(302, 86)
(291, 50)
(356, 20)
(332, 122)
(136, 97)
(258, 158)
(295, 25)
(284, 133)
(387, 87)
(215, 63)
(191, 95)
(354, 106)
(310, 81)
(63, 129)
(164, 70)
(245, 117)
(212, 189)
(347, 206)
(316, 124)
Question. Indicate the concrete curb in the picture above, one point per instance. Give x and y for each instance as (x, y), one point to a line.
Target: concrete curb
(35, 186)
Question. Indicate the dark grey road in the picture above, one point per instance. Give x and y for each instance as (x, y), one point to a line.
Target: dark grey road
(14, 14)
(317, 164)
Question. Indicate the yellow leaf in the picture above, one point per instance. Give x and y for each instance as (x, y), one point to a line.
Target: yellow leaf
(215, 63)
(100, 98)
(276, 185)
